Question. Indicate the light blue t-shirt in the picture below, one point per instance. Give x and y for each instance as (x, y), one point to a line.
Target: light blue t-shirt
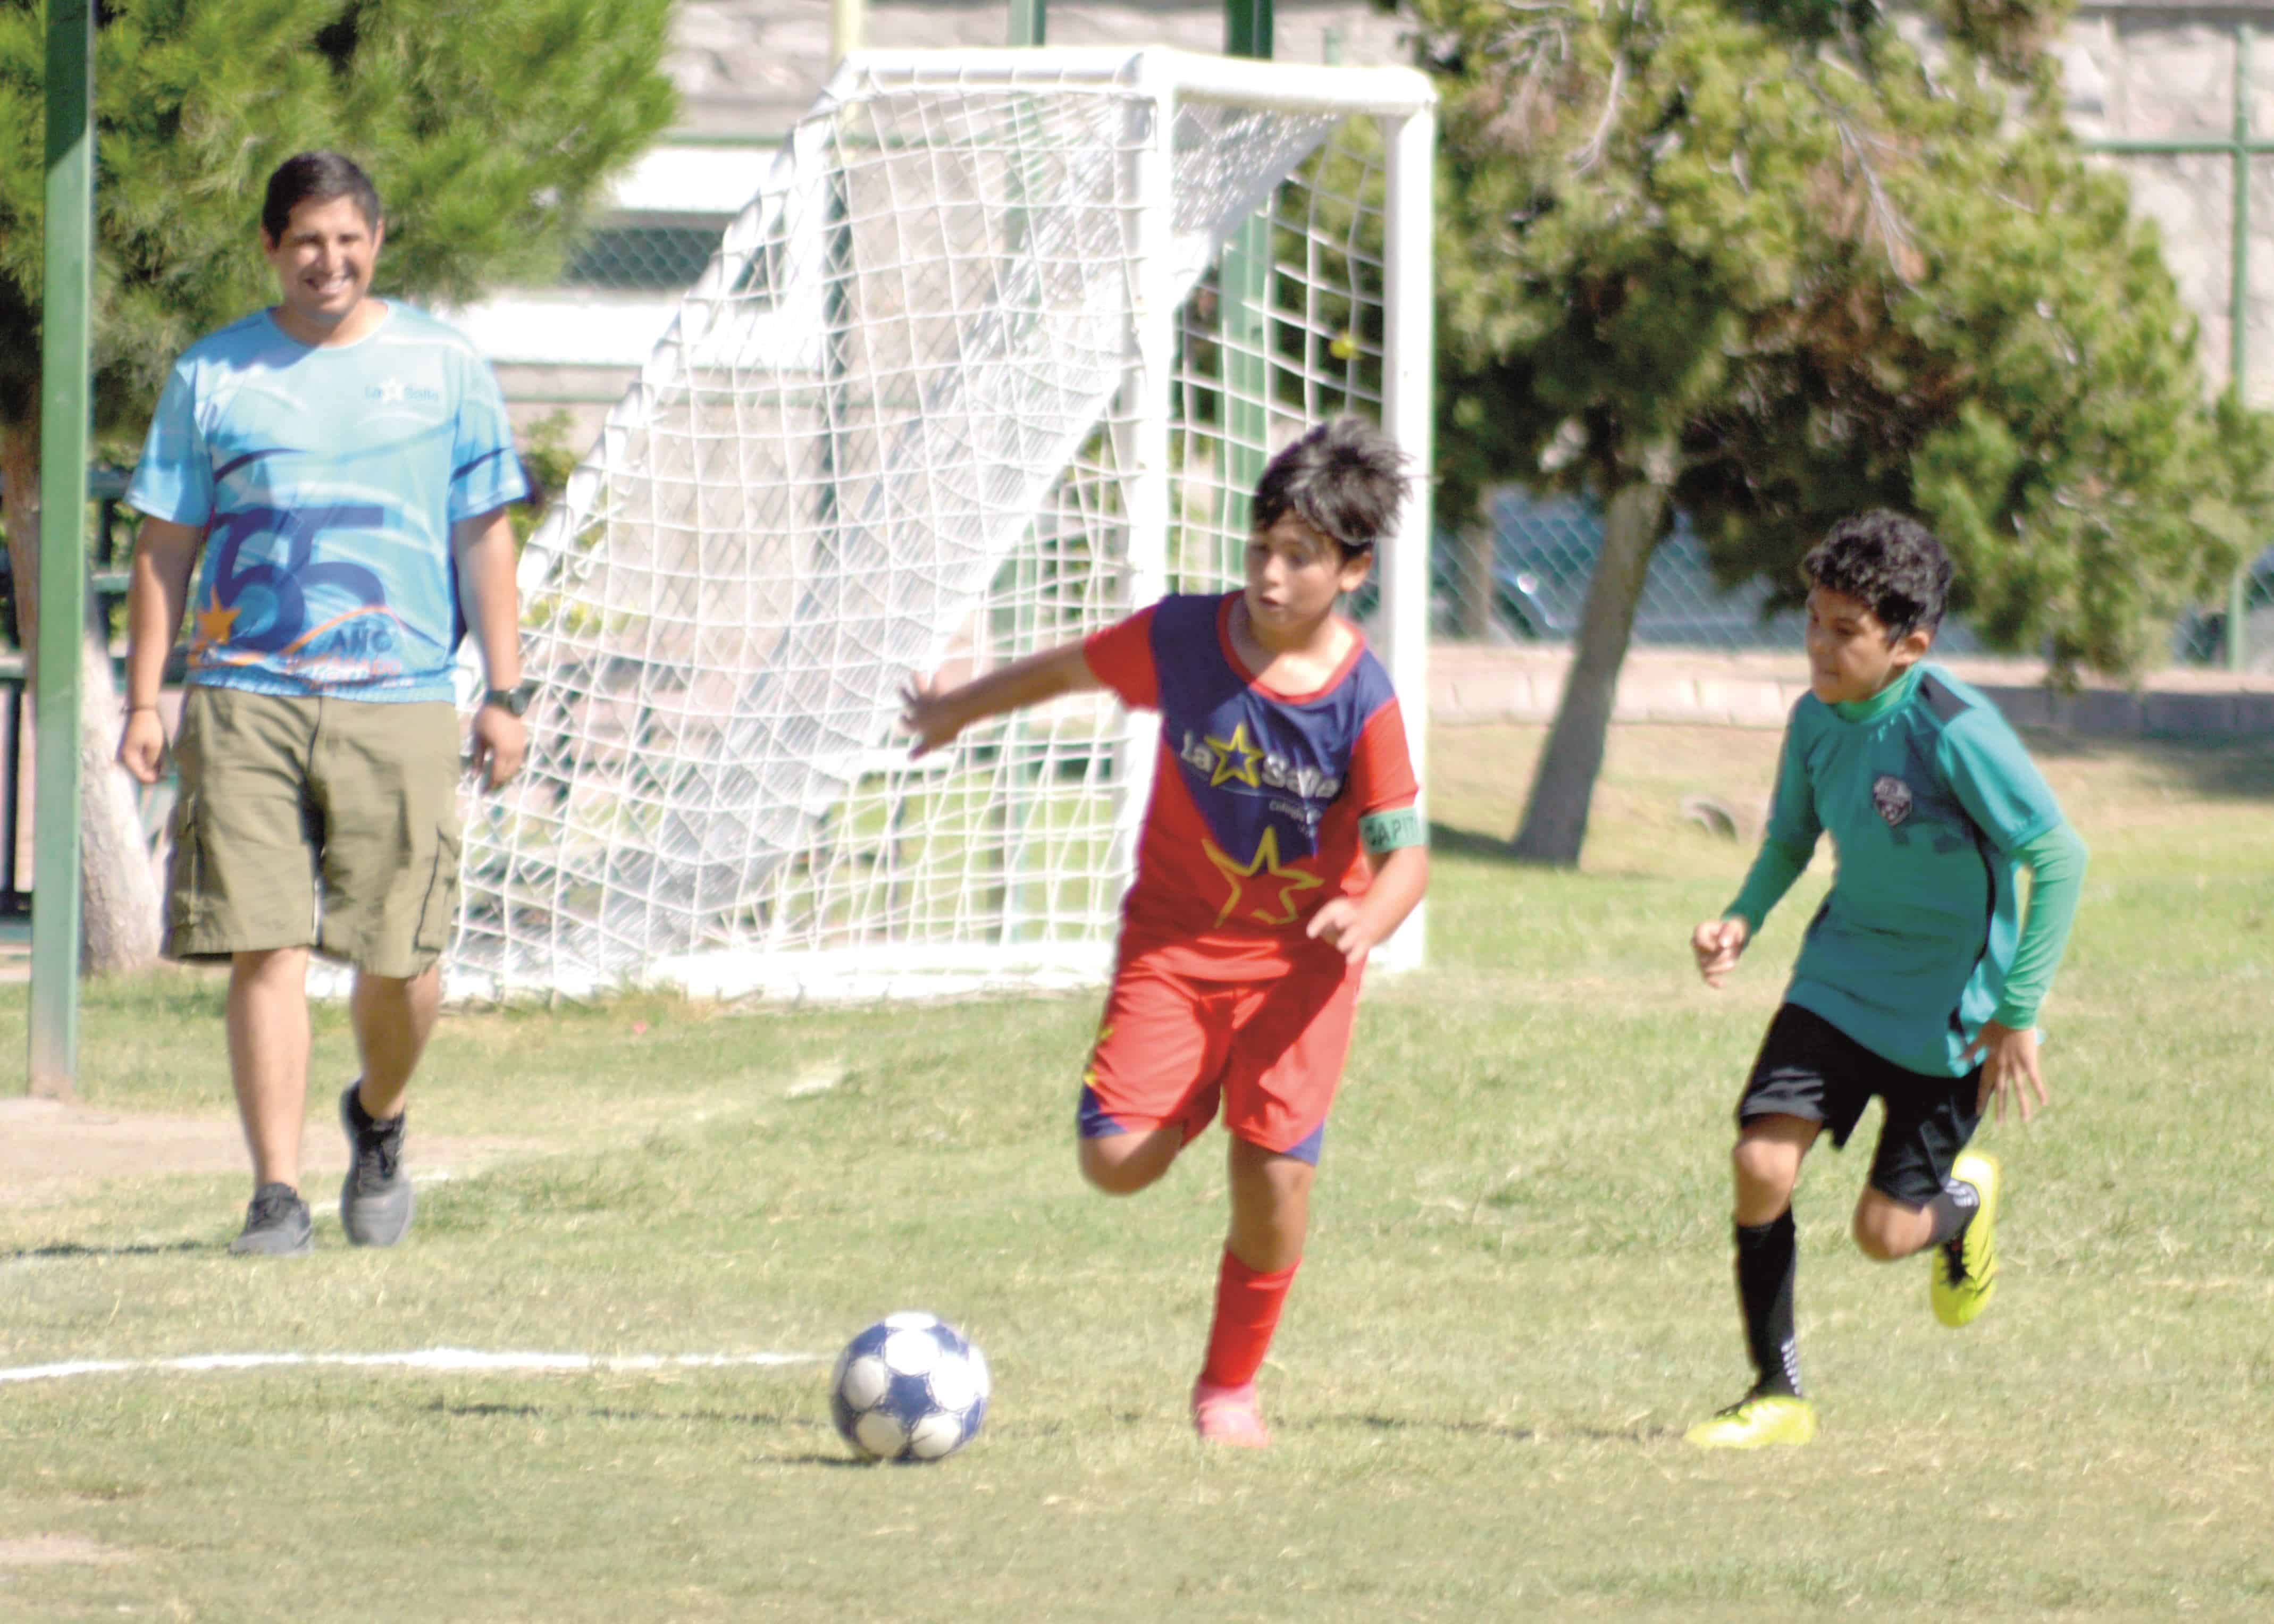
(327, 480)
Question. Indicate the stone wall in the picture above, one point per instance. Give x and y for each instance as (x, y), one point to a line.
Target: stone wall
(2134, 69)
(2144, 70)
(748, 67)
(746, 70)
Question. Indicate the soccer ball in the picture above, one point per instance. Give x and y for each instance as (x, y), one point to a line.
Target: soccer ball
(910, 1388)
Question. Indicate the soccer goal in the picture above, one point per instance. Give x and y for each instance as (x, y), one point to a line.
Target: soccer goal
(992, 359)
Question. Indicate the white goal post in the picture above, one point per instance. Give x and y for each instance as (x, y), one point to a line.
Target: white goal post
(991, 360)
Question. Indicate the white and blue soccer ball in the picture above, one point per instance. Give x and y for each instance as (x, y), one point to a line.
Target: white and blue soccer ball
(910, 1388)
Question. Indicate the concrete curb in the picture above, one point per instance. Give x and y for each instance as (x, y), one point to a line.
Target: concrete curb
(1470, 684)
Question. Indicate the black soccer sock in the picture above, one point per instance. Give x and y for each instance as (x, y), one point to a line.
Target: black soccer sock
(1768, 1256)
(1953, 1210)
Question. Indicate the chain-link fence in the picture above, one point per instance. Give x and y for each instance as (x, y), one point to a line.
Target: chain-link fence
(643, 258)
(2201, 636)
(1527, 582)
(1525, 579)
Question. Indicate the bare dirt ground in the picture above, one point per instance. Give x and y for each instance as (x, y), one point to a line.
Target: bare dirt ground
(48, 1549)
(49, 1148)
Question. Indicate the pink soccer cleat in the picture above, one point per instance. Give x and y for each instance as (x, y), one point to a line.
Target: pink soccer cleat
(1228, 1416)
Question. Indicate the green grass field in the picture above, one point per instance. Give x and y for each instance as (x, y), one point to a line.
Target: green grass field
(1517, 1293)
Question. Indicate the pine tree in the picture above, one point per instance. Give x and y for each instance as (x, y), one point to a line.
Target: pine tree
(490, 129)
(1770, 266)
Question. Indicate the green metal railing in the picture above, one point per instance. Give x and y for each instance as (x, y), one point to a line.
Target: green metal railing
(2239, 146)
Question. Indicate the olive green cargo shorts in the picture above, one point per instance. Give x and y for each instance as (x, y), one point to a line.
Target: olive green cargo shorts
(315, 822)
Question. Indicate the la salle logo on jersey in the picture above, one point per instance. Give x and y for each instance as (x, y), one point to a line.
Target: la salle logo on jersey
(1891, 798)
(394, 392)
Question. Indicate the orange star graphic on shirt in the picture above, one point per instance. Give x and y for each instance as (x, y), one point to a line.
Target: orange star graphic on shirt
(1266, 864)
(1225, 749)
(214, 626)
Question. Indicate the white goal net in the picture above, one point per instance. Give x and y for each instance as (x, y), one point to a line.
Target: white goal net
(991, 360)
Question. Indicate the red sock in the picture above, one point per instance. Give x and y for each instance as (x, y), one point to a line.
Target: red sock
(1248, 1306)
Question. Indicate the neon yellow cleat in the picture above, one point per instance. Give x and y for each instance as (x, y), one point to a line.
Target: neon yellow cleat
(1965, 1275)
(1755, 1420)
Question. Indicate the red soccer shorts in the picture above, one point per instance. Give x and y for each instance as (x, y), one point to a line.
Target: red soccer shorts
(1171, 1046)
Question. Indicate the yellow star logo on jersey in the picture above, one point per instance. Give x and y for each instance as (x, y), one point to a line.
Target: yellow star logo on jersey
(214, 626)
(1089, 1071)
(1266, 864)
(1225, 749)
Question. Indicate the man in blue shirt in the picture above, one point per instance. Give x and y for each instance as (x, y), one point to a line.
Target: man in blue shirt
(343, 464)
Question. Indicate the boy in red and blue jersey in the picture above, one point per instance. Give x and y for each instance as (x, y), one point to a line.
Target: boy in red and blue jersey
(1281, 842)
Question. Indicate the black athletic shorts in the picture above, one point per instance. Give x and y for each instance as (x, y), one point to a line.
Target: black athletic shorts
(1809, 1068)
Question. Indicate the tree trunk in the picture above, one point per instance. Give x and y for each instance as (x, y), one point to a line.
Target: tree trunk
(118, 890)
(1556, 816)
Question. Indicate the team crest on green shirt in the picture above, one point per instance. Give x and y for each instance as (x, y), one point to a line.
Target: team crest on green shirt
(1891, 797)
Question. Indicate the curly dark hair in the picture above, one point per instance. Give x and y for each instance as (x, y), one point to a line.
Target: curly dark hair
(1345, 479)
(1889, 561)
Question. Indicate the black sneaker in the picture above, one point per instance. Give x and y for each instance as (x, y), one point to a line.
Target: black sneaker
(376, 1198)
(276, 1224)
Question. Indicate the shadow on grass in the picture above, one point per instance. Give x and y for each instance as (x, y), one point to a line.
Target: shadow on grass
(2230, 769)
(72, 1249)
(1447, 841)
(1375, 1421)
(606, 1412)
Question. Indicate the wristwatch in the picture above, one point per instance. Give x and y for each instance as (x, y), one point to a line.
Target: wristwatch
(513, 701)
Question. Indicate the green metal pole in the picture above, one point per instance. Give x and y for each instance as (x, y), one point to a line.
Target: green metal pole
(65, 296)
(1244, 291)
(2240, 147)
(1247, 28)
(1027, 21)
(2238, 311)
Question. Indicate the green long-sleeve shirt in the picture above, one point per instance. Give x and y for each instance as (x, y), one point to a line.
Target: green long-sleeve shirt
(1934, 807)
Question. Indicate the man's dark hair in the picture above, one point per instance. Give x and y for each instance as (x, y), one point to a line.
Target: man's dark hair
(1345, 479)
(1888, 562)
(320, 176)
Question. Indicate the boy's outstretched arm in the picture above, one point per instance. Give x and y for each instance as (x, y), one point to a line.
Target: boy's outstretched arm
(935, 716)
(1787, 844)
(2006, 1043)
(1355, 927)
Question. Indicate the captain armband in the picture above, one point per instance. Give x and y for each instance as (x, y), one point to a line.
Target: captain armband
(1387, 831)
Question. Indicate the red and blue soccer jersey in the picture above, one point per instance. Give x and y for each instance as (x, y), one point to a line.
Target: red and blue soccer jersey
(1254, 823)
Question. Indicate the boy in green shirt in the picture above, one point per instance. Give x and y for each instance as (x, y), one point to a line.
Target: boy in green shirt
(1917, 980)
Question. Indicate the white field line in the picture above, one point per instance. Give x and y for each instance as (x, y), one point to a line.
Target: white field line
(423, 1358)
